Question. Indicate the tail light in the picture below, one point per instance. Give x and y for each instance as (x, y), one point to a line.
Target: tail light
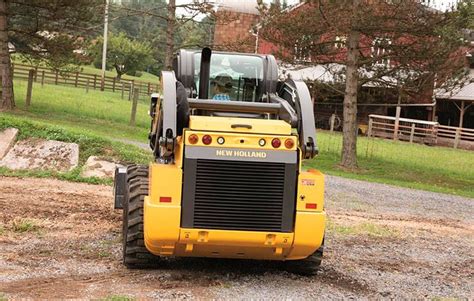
(206, 139)
(193, 139)
(276, 143)
(289, 143)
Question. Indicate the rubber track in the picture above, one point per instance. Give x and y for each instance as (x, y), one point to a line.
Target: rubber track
(135, 254)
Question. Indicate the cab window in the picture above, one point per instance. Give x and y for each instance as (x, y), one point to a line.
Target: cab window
(233, 77)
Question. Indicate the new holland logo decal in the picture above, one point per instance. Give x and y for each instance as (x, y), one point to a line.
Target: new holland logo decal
(240, 153)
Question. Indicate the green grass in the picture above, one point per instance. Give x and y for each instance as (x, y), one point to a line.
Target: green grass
(417, 166)
(89, 145)
(106, 115)
(23, 225)
(366, 228)
(103, 114)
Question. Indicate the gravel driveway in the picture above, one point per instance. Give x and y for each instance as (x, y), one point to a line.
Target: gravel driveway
(382, 241)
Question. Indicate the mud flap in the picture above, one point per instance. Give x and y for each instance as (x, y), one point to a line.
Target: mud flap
(120, 182)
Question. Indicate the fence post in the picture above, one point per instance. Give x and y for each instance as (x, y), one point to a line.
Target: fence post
(132, 87)
(134, 106)
(331, 122)
(56, 78)
(95, 81)
(77, 79)
(149, 88)
(42, 78)
(29, 89)
(369, 130)
(87, 86)
(457, 138)
(397, 123)
(412, 132)
(123, 90)
(113, 85)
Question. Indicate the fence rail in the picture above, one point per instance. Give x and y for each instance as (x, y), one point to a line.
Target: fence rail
(419, 131)
(88, 81)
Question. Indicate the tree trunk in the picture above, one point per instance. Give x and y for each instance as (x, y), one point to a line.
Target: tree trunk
(8, 101)
(170, 28)
(349, 140)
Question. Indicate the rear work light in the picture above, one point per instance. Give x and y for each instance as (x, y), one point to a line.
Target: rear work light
(289, 143)
(193, 139)
(206, 139)
(276, 143)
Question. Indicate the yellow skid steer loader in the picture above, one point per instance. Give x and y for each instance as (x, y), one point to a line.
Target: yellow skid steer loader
(228, 140)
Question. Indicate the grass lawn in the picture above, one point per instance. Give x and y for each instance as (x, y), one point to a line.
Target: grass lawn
(102, 114)
(106, 115)
(89, 145)
(400, 163)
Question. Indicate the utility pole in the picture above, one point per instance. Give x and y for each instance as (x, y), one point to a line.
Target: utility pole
(104, 48)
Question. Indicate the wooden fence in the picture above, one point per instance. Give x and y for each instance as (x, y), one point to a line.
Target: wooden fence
(85, 80)
(455, 135)
(419, 131)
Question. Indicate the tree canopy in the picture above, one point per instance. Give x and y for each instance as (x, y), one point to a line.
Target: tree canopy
(125, 55)
(400, 44)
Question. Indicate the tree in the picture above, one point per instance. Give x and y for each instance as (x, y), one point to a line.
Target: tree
(393, 44)
(47, 30)
(126, 56)
(167, 37)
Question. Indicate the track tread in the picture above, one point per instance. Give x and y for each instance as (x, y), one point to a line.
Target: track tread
(308, 266)
(135, 254)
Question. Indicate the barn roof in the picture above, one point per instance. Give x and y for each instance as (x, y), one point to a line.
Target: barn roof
(465, 92)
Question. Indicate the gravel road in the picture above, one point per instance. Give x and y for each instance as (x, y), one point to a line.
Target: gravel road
(62, 240)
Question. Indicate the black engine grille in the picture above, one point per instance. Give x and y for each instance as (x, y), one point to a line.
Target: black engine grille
(241, 195)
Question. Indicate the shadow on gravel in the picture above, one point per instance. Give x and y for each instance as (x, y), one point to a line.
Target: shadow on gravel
(239, 269)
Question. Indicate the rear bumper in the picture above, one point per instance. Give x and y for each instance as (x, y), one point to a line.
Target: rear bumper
(164, 236)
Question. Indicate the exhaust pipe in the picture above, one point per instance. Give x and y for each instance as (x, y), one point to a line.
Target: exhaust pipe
(205, 73)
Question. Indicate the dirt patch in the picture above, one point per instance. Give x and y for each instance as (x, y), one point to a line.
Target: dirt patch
(71, 248)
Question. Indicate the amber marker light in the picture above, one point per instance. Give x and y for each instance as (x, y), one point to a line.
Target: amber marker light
(276, 143)
(193, 139)
(206, 139)
(289, 143)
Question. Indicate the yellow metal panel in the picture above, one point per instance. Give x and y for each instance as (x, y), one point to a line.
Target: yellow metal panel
(309, 233)
(243, 140)
(310, 190)
(165, 181)
(161, 227)
(224, 124)
(259, 253)
(161, 221)
(235, 238)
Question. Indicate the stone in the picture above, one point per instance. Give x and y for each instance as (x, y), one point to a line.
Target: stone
(7, 140)
(35, 153)
(96, 167)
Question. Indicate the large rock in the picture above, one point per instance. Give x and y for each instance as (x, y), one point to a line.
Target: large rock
(42, 154)
(7, 140)
(96, 167)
